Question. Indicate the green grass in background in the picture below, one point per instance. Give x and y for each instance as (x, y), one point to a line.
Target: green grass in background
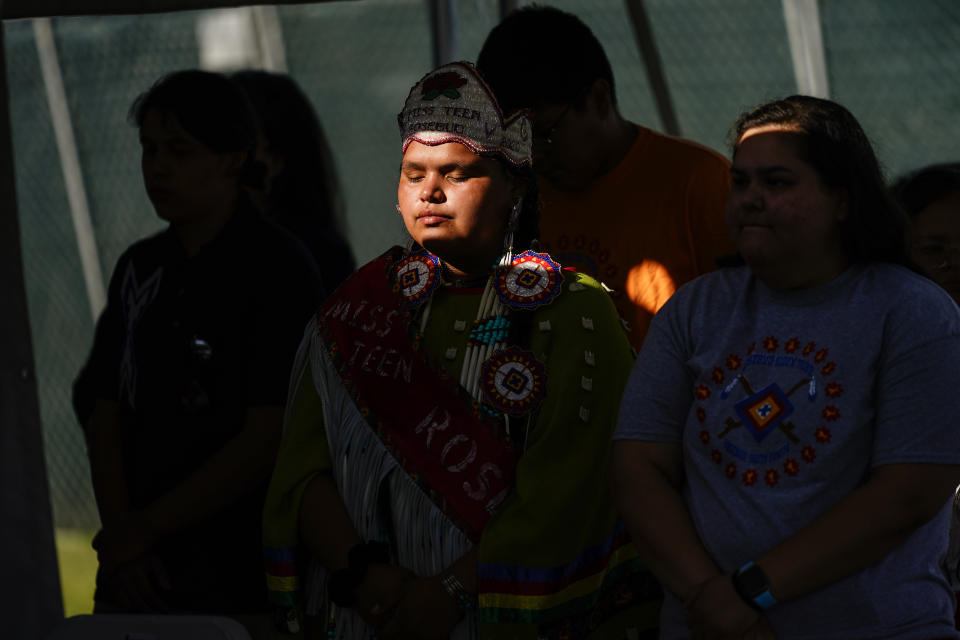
(78, 569)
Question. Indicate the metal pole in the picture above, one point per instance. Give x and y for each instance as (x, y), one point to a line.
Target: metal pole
(266, 23)
(643, 31)
(70, 166)
(508, 6)
(802, 18)
(443, 27)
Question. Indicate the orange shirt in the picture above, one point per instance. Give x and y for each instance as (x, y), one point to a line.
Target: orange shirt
(651, 224)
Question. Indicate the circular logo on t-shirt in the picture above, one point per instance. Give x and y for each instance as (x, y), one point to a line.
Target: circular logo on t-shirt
(767, 413)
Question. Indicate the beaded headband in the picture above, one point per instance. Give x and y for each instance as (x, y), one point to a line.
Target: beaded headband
(453, 104)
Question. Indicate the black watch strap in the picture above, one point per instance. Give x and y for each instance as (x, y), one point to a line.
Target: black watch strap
(753, 586)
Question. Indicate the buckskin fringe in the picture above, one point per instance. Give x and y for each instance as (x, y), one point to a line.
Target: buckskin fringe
(426, 541)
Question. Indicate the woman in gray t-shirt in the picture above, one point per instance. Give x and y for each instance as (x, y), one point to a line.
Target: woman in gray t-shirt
(787, 442)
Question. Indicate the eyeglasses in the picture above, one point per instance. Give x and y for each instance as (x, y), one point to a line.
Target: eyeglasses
(546, 138)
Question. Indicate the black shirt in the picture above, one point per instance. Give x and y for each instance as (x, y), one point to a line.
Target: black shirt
(186, 346)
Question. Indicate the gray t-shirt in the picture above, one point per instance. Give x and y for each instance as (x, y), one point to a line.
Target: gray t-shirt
(783, 402)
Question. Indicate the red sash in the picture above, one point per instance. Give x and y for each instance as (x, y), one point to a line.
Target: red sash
(430, 425)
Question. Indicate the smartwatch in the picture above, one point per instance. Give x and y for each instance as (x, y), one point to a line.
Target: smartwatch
(753, 586)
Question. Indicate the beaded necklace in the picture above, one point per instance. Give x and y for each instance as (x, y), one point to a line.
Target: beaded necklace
(504, 379)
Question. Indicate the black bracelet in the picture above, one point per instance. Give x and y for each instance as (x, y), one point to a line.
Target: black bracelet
(752, 584)
(343, 583)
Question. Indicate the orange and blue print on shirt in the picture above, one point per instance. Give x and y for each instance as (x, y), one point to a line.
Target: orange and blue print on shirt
(764, 410)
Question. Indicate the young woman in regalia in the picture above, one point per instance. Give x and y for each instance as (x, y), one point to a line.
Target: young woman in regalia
(444, 469)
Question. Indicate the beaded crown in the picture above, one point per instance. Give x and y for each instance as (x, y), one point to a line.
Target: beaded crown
(453, 104)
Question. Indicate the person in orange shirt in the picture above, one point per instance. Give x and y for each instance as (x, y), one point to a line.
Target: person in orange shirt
(638, 210)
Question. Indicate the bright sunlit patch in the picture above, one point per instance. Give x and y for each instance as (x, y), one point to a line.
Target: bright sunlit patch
(649, 285)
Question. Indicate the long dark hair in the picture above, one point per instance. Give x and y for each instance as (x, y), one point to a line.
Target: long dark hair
(308, 184)
(835, 145)
(527, 234)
